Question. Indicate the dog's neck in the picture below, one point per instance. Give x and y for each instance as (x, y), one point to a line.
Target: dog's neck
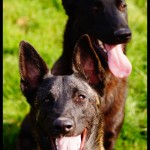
(92, 142)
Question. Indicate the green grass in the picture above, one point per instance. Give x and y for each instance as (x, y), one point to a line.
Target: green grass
(42, 24)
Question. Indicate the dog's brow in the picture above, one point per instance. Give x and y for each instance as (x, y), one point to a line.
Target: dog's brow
(55, 89)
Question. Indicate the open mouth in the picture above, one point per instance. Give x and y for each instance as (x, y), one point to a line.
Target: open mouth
(118, 62)
(100, 46)
(70, 143)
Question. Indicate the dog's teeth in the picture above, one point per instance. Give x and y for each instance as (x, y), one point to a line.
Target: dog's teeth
(57, 147)
(56, 143)
(100, 44)
(78, 146)
(105, 50)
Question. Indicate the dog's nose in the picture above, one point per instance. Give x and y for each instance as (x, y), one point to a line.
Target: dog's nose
(63, 125)
(123, 34)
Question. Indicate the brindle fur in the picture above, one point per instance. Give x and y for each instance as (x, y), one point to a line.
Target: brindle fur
(105, 20)
(54, 97)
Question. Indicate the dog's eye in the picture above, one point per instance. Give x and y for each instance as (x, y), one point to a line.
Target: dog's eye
(46, 100)
(49, 98)
(98, 7)
(80, 98)
(95, 8)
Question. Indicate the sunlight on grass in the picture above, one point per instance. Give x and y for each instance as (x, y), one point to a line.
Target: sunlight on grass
(42, 24)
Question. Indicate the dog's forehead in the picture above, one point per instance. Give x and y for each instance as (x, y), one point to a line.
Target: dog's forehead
(60, 84)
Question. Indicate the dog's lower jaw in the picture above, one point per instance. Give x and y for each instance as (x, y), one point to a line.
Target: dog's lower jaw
(85, 143)
(73, 143)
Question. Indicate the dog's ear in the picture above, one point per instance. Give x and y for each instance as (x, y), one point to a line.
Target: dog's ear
(69, 6)
(87, 63)
(32, 68)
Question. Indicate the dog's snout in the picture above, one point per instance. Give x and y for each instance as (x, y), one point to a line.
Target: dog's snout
(123, 34)
(63, 125)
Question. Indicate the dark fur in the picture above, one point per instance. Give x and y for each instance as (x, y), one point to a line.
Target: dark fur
(60, 105)
(105, 20)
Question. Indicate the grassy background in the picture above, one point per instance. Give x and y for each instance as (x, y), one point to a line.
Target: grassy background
(42, 24)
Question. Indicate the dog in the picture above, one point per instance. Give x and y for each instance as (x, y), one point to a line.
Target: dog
(65, 110)
(106, 23)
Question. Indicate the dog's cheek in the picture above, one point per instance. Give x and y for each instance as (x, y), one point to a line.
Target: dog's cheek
(94, 110)
(89, 115)
(43, 118)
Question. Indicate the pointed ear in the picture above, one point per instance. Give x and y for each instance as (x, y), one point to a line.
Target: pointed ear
(86, 62)
(32, 68)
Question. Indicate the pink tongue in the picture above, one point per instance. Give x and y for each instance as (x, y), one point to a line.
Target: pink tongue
(68, 143)
(118, 63)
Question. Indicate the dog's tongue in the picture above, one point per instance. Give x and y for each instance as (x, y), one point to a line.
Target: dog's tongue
(68, 143)
(118, 63)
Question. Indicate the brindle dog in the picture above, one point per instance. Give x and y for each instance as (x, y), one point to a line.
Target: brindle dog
(105, 21)
(65, 110)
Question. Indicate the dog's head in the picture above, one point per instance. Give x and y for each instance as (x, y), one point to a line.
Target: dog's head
(105, 21)
(65, 109)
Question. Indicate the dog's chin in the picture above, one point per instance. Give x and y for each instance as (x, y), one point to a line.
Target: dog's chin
(67, 142)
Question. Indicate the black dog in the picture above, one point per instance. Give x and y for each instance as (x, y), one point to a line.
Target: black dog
(105, 21)
(65, 110)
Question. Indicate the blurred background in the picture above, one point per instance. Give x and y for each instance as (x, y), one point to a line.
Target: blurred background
(42, 24)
